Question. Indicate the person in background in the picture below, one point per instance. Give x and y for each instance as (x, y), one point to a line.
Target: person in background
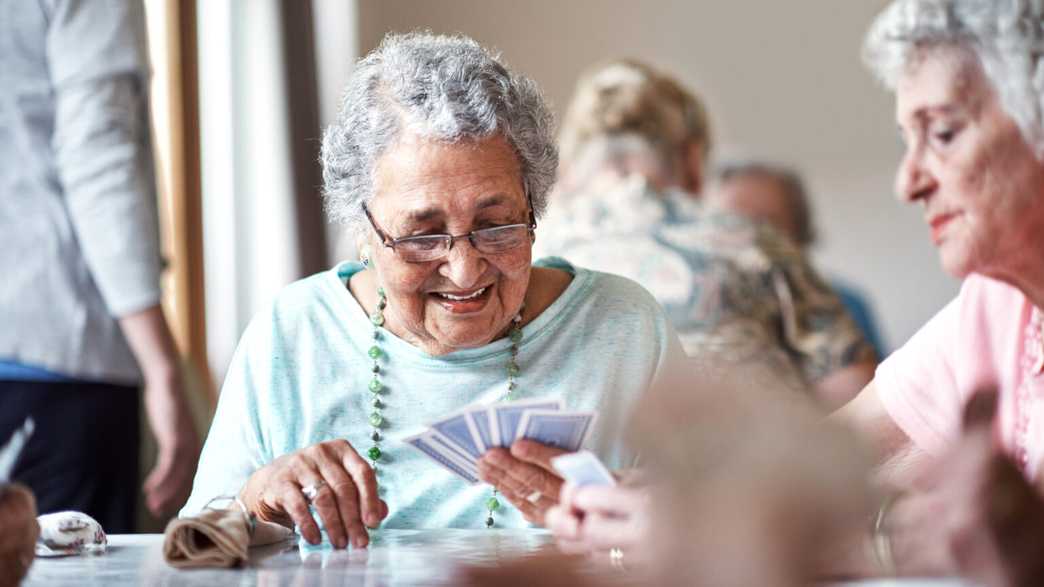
(776, 196)
(18, 533)
(634, 144)
(83, 329)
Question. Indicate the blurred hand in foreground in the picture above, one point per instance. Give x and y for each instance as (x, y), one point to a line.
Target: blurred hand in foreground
(971, 513)
(18, 533)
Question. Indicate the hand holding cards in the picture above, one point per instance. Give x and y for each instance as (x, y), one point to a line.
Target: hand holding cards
(458, 441)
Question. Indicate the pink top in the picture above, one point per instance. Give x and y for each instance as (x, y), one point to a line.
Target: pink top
(989, 336)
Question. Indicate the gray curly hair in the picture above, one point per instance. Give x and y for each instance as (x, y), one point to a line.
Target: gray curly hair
(1007, 37)
(446, 88)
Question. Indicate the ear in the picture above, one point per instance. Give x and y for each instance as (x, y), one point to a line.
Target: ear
(694, 164)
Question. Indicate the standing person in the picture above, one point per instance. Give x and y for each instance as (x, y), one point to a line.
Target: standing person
(634, 146)
(776, 196)
(79, 250)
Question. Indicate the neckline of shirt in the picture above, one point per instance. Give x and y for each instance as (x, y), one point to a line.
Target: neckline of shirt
(497, 350)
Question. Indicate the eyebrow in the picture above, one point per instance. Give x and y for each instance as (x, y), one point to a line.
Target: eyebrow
(432, 213)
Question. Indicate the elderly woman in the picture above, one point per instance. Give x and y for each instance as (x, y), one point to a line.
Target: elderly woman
(441, 159)
(969, 83)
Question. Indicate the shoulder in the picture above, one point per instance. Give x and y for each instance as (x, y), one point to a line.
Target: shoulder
(306, 304)
(609, 296)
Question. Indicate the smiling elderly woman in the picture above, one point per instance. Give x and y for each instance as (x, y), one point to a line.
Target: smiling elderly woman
(441, 159)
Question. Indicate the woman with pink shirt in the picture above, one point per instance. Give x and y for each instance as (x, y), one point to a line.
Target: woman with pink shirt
(969, 82)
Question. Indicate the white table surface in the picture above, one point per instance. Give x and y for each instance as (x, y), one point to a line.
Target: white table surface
(395, 557)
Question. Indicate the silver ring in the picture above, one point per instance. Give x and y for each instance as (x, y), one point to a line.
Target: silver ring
(616, 558)
(534, 497)
(311, 491)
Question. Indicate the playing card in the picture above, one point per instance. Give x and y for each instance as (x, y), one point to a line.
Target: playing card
(460, 430)
(478, 416)
(505, 418)
(10, 452)
(565, 430)
(583, 468)
(448, 460)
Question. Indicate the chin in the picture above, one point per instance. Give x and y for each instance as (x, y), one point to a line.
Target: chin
(955, 261)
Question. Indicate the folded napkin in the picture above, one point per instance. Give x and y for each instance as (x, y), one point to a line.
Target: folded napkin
(67, 533)
(217, 538)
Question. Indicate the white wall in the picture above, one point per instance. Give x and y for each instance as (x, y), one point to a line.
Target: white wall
(782, 81)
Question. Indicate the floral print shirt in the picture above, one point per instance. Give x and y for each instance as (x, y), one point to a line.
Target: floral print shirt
(731, 288)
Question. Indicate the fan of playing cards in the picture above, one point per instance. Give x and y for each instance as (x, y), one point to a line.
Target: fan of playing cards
(458, 441)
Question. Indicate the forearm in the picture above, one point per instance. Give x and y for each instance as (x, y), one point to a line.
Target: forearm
(841, 386)
(153, 346)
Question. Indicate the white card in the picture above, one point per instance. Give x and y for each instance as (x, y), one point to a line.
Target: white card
(582, 469)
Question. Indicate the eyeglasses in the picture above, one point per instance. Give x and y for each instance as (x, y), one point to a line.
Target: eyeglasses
(432, 247)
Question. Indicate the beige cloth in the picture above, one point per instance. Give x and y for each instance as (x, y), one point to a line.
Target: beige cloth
(216, 538)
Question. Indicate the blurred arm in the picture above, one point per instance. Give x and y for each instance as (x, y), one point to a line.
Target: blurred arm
(897, 457)
(835, 388)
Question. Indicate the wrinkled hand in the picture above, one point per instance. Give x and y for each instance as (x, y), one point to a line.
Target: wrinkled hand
(18, 533)
(347, 503)
(597, 519)
(168, 484)
(524, 476)
(972, 513)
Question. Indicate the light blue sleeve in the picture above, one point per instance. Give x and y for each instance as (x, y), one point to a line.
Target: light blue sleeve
(235, 446)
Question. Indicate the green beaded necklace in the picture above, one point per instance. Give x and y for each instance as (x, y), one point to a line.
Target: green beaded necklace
(377, 388)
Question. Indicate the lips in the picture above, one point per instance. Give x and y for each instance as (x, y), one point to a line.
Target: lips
(463, 302)
(938, 225)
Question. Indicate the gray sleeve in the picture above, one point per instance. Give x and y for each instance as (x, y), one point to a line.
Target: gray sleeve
(99, 71)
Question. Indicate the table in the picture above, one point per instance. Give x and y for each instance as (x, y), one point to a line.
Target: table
(395, 557)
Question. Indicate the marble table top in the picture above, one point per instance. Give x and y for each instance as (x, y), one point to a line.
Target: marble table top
(395, 557)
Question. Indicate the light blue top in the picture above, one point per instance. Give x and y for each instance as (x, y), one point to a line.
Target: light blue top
(300, 373)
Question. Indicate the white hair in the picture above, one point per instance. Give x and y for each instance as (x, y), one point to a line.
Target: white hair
(1006, 36)
(440, 87)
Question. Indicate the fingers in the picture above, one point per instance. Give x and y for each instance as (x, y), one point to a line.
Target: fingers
(366, 484)
(609, 501)
(567, 498)
(506, 472)
(604, 533)
(536, 453)
(293, 502)
(563, 523)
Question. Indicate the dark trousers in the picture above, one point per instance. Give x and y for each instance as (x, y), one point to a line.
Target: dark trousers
(83, 455)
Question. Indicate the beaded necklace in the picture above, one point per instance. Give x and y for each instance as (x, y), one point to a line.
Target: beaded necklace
(377, 388)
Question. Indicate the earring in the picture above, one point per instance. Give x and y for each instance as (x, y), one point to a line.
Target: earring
(364, 257)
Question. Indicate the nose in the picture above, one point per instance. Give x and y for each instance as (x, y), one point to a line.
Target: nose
(463, 266)
(913, 180)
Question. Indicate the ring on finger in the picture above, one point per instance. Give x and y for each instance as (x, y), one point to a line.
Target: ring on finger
(311, 490)
(534, 497)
